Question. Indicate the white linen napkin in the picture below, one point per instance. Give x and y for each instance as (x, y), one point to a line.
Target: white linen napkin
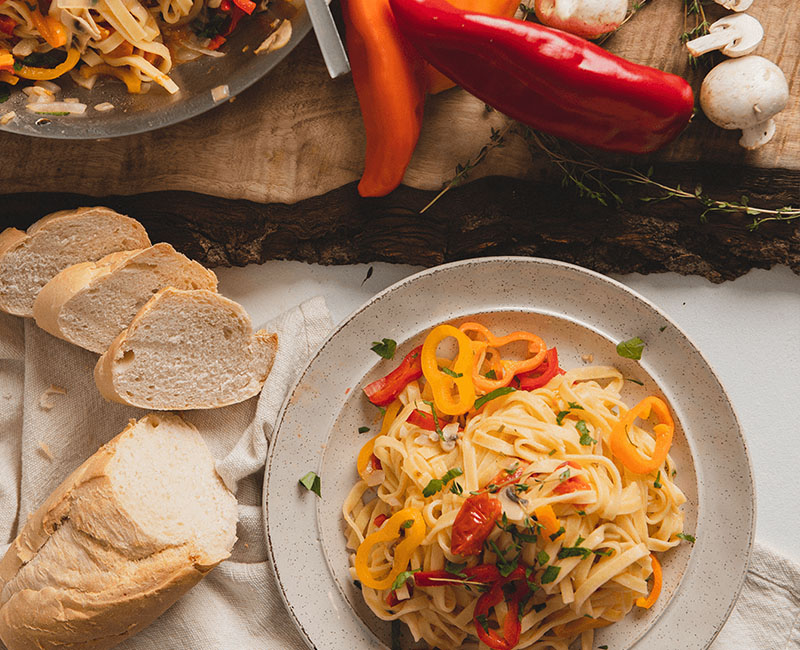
(238, 605)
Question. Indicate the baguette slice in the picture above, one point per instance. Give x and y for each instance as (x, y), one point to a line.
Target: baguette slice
(186, 350)
(89, 304)
(30, 260)
(120, 540)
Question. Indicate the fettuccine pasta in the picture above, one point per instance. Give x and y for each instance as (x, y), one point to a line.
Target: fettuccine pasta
(512, 522)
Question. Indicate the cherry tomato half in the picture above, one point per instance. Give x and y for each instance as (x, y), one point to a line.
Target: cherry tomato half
(473, 523)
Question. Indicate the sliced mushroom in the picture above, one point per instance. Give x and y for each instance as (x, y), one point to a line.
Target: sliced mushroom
(735, 5)
(587, 18)
(736, 35)
(745, 93)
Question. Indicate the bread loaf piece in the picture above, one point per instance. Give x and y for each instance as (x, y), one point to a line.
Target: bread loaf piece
(119, 541)
(89, 304)
(186, 350)
(30, 260)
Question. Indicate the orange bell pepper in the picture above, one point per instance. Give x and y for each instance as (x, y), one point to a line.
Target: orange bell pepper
(51, 29)
(647, 603)
(391, 80)
(536, 348)
(546, 516)
(624, 449)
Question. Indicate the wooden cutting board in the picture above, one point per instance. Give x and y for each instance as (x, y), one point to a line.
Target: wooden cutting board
(296, 138)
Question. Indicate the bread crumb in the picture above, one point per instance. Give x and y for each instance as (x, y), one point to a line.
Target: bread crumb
(587, 358)
(45, 450)
(246, 545)
(45, 401)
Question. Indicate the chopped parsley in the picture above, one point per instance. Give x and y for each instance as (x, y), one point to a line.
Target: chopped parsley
(574, 551)
(575, 406)
(631, 349)
(497, 392)
(491, 375)
(455, 568)
(564, 475)
(602, 647)
(586, 439)
(384, 348)
(657, 483)
(551, 452)
(550, 574)
(436, 426)
(363, 429)
(436, 484)
(408, 523)
(634, 381)
(214, 26)
(401, 579)
(558, 534)
(312, 482)
(483, 622)
(57, 113)
(560, 417)
(582, 513)
(449, 372)
(662, 328)
(542, 558)
(685, 536)
(606, 553)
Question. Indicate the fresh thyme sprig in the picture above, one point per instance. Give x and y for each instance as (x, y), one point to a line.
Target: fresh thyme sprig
(701, 28)
(592, 179)
(496, 139)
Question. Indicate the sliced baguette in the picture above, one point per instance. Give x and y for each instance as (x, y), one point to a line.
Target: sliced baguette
(30, 260)
(186, 350)
(89, 304)
(119, 541)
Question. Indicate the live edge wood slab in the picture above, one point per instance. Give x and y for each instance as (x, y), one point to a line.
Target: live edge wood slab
(272, 176)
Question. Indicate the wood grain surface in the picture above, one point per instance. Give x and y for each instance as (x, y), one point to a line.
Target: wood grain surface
(298, 134)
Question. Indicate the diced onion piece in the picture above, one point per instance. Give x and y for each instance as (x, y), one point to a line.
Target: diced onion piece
(104, 107)
(57, 107)
(71, 100)
(5, 119)
(25, 47)
(37, 91)
(220, 92)
(49, 86)
(202, 50)
(278, 39)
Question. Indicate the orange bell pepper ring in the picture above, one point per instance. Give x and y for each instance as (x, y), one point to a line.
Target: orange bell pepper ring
(648, 602)
(389, 531)
(623, 448)
(489, 343)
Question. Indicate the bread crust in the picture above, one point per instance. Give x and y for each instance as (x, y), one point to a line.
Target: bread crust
(59, 617)
(104, 375)
(75, 279)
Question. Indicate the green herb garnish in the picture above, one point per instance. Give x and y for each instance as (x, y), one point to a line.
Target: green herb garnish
(560, 417)
(542, 558)
(455, 568)
(657, 483)
(575, 406)
(363, 429)
(634, 381)
(449, 372)
(312, 482)
(436, 484)
(436, 426)
(574, 551)
(491, 375)
(384, 348)
(400, 580)
(586, 439)
(557, 534)
(686, 537)
(497, 392)
(550, 574)
(631, 349)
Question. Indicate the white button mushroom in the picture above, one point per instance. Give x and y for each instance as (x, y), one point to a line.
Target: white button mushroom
(736, 35)
(735, 5)
(587, 18)
(745, 94)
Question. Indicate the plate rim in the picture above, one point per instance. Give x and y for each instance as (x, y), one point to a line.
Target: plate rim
(569, 267)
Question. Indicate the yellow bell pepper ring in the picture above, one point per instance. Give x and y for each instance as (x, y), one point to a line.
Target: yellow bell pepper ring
(45, 74)
(366, 451)
(624, 449)
(387, 533)
(442, 383)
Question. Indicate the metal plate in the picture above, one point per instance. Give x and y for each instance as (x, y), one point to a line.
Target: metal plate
(156, 109)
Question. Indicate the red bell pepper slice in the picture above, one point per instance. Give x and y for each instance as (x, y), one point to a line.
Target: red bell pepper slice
(248, 6)
(384, 391)
(473, 523)
(380, 519)
(484, 573)
(542, 375)
(236, 16)
(512, 626)
(216, 42)
(573, 483)
(7, 24)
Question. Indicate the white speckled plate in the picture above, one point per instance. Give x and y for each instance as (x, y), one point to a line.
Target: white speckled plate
(582, 313)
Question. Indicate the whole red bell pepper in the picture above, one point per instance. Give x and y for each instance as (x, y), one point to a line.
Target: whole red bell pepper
(385, 390)
(548, 79)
